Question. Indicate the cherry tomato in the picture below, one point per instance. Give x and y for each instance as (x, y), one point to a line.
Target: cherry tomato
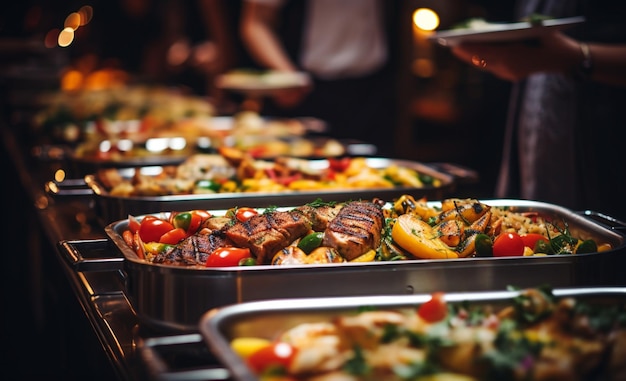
(188, 221)
(508, 245)
(339, 164)
(173, 236)
(133, 224)
(278, 354)
(151, 229)
(435, 309)
(530, 239)
(204, 215)
(244, 214)
(227, 257)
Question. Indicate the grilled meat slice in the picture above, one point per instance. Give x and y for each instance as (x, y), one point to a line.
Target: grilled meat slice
(356, 229)
(265, 234)
(193, 250)
(320, 216)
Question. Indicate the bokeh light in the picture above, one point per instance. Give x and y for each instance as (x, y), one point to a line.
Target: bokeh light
(425, 19)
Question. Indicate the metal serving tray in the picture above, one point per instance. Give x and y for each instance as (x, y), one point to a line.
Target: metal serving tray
(175, 297)
(267, 319)
(112, 208)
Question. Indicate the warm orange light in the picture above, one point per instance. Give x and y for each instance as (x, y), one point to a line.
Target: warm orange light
(425, 19)
(86, 14)
(72, 80)
(73, 20)
(59, 175)
(66, 37)
(51, 38)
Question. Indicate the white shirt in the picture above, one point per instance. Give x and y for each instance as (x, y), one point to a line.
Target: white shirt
(342, 38)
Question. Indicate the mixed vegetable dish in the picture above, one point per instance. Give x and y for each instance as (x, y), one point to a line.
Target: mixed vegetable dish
(532, 336)
(352, 231)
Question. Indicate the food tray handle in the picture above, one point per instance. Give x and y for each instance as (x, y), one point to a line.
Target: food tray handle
(91, 255)
(610, 222)
(157, 365)
(461, 174)
(68, 187)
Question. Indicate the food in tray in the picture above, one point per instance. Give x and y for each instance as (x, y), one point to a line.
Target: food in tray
(235, 170)
(532, 336)
(118, 141)
(130, 122)
(350, 231)
(132, 112)
(259, 80)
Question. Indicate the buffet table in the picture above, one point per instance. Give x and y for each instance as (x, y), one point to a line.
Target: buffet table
(109, 329)
(95, 324)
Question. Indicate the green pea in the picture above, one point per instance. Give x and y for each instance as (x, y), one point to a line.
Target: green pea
(311, 242)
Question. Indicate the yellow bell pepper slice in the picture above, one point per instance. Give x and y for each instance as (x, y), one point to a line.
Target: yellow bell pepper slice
(245, 346)
(420, 239)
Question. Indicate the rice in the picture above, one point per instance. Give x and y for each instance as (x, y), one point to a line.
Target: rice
(523, 223)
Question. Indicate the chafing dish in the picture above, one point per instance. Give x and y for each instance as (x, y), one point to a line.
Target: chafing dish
(113, 207)
(268, 319)
(174, 298)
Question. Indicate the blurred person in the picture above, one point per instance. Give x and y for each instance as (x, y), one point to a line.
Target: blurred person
(566, 124)
(346, 47)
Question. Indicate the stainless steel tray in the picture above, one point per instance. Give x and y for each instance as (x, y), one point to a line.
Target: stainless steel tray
(112, 208)
(267, 319)
(175, 297)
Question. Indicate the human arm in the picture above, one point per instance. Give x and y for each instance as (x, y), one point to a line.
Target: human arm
(257, 30)
(216, 21)
(258, 33)
(555, 52)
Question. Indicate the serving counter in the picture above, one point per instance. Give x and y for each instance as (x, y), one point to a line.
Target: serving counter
(91, 327)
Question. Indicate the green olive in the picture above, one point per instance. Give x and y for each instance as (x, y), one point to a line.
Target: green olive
(311, 242)
(484, 245)
(543, 247)
(587, 246)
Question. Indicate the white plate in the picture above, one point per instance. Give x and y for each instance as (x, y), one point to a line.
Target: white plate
(502, 32)
(265, 82)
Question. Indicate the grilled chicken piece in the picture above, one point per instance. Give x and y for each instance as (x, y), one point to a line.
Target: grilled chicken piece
(320, 216)
(193, 250)
(356, 229)
(265, 234)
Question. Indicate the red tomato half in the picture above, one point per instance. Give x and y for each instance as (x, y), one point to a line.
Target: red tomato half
(133, 224)
(434, 310)
(277, 354)
(227, 257)
(508, 245)
(530, 239)
(173, 236)
(244, 214)
(204, 215)
(151, 229)
(339, 164)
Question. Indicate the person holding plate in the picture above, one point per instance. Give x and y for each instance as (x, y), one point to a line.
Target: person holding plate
(346, 49)
(566, 128)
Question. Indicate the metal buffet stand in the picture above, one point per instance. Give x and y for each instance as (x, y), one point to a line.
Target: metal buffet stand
(74, 352)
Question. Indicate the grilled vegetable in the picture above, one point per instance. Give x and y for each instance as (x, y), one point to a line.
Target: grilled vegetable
(420, 239)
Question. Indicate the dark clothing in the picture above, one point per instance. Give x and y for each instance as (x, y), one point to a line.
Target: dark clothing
(360, 108)
(564, 138)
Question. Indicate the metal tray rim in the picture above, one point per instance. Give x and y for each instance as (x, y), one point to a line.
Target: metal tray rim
(212, 321)
(113, 232)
